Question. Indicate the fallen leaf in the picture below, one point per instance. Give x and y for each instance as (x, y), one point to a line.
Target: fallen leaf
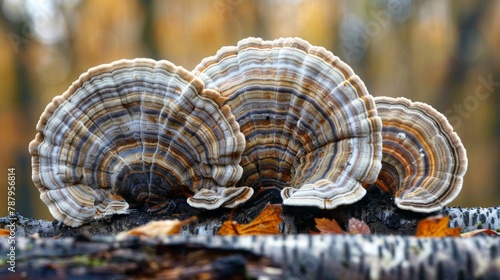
(479, 231)
(266, 223)
(4, 232)
(436, 226)
(358, 227)
(327, 226)
(157, 228)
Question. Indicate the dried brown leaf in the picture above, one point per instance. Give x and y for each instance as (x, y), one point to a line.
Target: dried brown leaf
(157, 228)
(358, 227)
(479, 231)
(327, 226)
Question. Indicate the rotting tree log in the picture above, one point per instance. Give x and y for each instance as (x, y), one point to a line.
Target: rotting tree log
(301, 256)
(390, 252)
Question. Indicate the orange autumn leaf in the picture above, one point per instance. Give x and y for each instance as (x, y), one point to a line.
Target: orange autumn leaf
(358, 227)
(266, 223)
(157, 228)
(327, 226)
(436, 226)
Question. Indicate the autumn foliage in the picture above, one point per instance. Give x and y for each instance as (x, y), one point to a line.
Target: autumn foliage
(157, 228)
(436, 226)
(4, 232)
(266, 223)
(327, 226)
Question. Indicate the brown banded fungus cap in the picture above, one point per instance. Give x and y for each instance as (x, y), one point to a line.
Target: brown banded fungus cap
(423, 161)
(311, 128)
(134, 133)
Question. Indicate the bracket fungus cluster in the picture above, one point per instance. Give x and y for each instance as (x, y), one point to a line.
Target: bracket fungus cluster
(133, 133)
(282, 113)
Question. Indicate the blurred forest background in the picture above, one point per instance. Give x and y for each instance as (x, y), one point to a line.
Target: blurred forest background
(442, 52)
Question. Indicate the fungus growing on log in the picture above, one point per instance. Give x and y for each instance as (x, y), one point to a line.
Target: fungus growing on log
(134, 133)
(310, 126)
(423, 159)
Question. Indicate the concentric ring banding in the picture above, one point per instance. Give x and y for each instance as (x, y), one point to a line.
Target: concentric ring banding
(135, 132)
(423, 160)
(310, 125)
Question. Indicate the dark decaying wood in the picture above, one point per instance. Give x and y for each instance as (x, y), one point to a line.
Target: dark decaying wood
(390, 252)
(376, 209)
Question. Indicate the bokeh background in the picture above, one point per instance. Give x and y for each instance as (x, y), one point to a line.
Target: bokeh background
(442, 52)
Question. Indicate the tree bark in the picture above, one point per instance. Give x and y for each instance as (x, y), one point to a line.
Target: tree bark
(375, 209)
(390, 252)
(302, 256)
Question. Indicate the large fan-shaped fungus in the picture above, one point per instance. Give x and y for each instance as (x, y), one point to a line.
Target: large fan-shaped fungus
(423, 160)
(311, 127)
(135, 132)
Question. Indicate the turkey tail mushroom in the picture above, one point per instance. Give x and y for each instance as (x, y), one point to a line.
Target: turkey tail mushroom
(136, 132)
(423, 160)
(311, 128)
